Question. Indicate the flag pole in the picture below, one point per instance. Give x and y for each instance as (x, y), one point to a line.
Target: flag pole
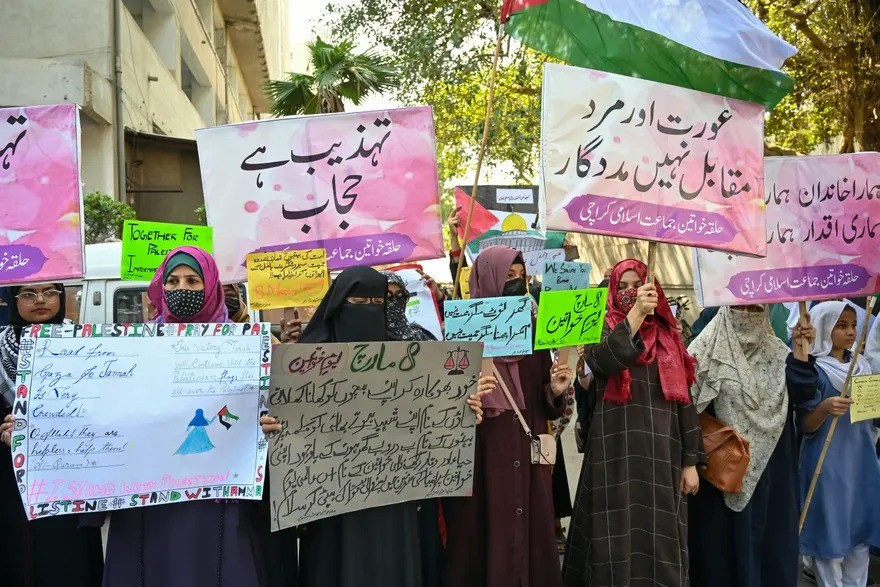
(845, 392)
(482, 153)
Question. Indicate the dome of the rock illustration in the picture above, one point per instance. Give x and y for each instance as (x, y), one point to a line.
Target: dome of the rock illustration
(514, 222)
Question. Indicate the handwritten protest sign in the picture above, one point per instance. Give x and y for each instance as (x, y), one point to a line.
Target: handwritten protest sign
(117, 416)
(282, 279)
(823, 233)
(866, 398)
(503, 325)
(145, 244)
(421, 308)
(362, 186)
(570, 318)
(465, 283)
(566, 275)
(628, 157)
(368, 425)
(535, 260)
(508, 216)
(41, 232)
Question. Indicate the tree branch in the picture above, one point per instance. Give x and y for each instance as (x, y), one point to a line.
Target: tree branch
(801, 23)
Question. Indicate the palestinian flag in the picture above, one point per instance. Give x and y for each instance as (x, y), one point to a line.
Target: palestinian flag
(714, 46)
(225, 416)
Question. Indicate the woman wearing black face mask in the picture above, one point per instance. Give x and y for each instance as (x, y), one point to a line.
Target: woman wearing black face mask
(377, 546)
(504, 534)
(208, 542)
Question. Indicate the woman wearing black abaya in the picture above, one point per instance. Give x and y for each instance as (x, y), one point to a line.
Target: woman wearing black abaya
(49, 552)
(377, 546)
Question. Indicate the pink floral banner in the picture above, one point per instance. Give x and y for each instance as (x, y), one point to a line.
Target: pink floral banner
(363, 186)
(627, 157)
(41, 232)
(823, 234)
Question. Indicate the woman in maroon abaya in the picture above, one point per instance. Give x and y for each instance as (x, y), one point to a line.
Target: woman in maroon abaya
(503, 536)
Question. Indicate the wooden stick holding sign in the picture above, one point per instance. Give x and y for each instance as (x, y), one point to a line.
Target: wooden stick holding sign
(652, 263)
(845, 392)
(482, 152)
(802, 307)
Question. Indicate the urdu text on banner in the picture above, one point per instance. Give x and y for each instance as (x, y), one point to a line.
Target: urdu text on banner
(363, 186)
(41, 231)
(823, 234)
(627, 157)
(369, 424)
(116, 416)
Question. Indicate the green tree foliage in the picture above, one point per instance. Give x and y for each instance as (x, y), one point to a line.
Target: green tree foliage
(443, 50)
(104, 217)
(836, 70)
(339, 72)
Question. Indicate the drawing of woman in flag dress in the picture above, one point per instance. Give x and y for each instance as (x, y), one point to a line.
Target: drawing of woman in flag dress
(197, 440)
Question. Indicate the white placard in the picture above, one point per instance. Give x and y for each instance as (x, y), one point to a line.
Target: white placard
(421, 309)
(514, 196)
(535, 259)
(116, 416)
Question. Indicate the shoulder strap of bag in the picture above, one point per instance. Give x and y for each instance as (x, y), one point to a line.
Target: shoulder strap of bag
(519, 415)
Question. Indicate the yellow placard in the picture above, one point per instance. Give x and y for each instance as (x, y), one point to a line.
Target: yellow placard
(866, 398)
(282, 279)
(464, 283)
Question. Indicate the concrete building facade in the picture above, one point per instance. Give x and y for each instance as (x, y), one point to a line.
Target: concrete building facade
(178, 65)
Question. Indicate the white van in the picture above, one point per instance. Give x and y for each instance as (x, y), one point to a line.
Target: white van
(103, 298)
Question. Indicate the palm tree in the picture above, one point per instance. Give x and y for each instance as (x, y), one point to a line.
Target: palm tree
(339, 73)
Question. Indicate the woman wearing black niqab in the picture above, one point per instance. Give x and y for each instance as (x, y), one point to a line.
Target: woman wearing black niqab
(353, 310)
(377, 546)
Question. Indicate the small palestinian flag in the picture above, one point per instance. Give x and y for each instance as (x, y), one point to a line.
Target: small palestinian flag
(225, 417)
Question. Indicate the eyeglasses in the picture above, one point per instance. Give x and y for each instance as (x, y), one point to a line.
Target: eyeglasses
(30, 297)
(364, 301)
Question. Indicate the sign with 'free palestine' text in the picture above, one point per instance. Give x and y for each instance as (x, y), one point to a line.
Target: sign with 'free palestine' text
(117, 416)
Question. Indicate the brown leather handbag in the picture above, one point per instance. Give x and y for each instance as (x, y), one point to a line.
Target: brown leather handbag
(727, 454)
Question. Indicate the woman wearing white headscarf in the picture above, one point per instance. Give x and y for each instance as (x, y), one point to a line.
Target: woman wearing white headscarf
(844, 517)
(749, 379)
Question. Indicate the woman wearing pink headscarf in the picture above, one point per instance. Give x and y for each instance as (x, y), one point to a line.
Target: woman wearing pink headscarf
(504, 534)
(204, 542)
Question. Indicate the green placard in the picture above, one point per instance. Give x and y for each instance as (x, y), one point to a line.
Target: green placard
(145, 244)
(570, 318)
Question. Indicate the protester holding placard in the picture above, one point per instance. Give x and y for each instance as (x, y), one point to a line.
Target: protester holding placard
(749, 379)
(51, 551)
(504, 534)
(399, 327)
(200, 542)
(380, 545)
(843, 521)
(642, 447)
